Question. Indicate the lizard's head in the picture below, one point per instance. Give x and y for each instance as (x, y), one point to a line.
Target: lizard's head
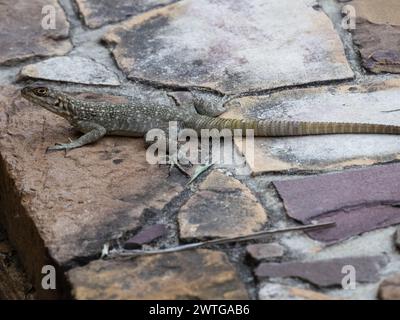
(49, 99)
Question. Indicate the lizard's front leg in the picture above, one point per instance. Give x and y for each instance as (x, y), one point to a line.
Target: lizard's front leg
(93, 133)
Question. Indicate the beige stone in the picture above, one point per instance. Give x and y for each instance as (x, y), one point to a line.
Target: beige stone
(378, 12)
(194, 274)
(389, 289)
(98, 13)
(222, 207)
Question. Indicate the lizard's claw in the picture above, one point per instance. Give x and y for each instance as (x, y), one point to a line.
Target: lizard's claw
(58, 147)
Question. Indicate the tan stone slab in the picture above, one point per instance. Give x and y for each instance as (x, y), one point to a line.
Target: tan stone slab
(214, 44)
(222, 207)
(378, 12)
(70, 205)
(97, 13)
(22, 35)
(377, 34)
(375, 103)
(194, 274)
(389, 289)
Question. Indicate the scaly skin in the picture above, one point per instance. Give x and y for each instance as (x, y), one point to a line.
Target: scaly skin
(96, 119)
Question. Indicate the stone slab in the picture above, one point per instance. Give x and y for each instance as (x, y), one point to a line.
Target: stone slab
(370, 102)
(21, 33)
(62, 208)
(71, 69)
(357, 200)
(263, 251)
(146, 235)
(377, 34)
(97, 13)
(222, 207)
(324, 273)
(214, 44)
(276, 291)
(389, 289)
(194, 274)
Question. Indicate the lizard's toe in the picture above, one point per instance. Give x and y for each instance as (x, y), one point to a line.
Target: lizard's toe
(57, 147)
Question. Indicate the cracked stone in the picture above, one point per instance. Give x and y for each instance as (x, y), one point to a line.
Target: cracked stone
(65, 207)
(214, 44)
(377, 34)
(389, 289)
(372, 102)
(324, 273)
(145, 236)
(97, 13)
(357, 200)
(276, 291)
(222, 207)
(71, 69)
(194, 274)
(20, 41)
(263, 251)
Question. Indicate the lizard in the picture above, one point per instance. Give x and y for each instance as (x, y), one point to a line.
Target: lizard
(97, 119)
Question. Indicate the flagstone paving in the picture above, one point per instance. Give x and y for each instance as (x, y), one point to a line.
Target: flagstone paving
(222, 207)
(196, 274)
(324, 273)
(71, 69)
(97, 13)
(77, 210)
(390, 288)
(358, 201)
(214, 44)
(377, 34)
(374, 102)
(21, 33)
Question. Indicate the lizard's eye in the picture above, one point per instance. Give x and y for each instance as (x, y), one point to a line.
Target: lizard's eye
(41, 91)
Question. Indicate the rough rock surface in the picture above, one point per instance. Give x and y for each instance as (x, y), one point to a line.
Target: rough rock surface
(214, 44)
(72, 204)
(97, 13)
(20, 41)
(324, 273)
(275, 291)
(377, 34)
(262, 251)
(194, 274)
(357, 200)
(222, 207)
(389, 289)
(346, 103)
(71, 69)
(146, 235)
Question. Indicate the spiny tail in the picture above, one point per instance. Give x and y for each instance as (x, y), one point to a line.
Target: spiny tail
(267, 128)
